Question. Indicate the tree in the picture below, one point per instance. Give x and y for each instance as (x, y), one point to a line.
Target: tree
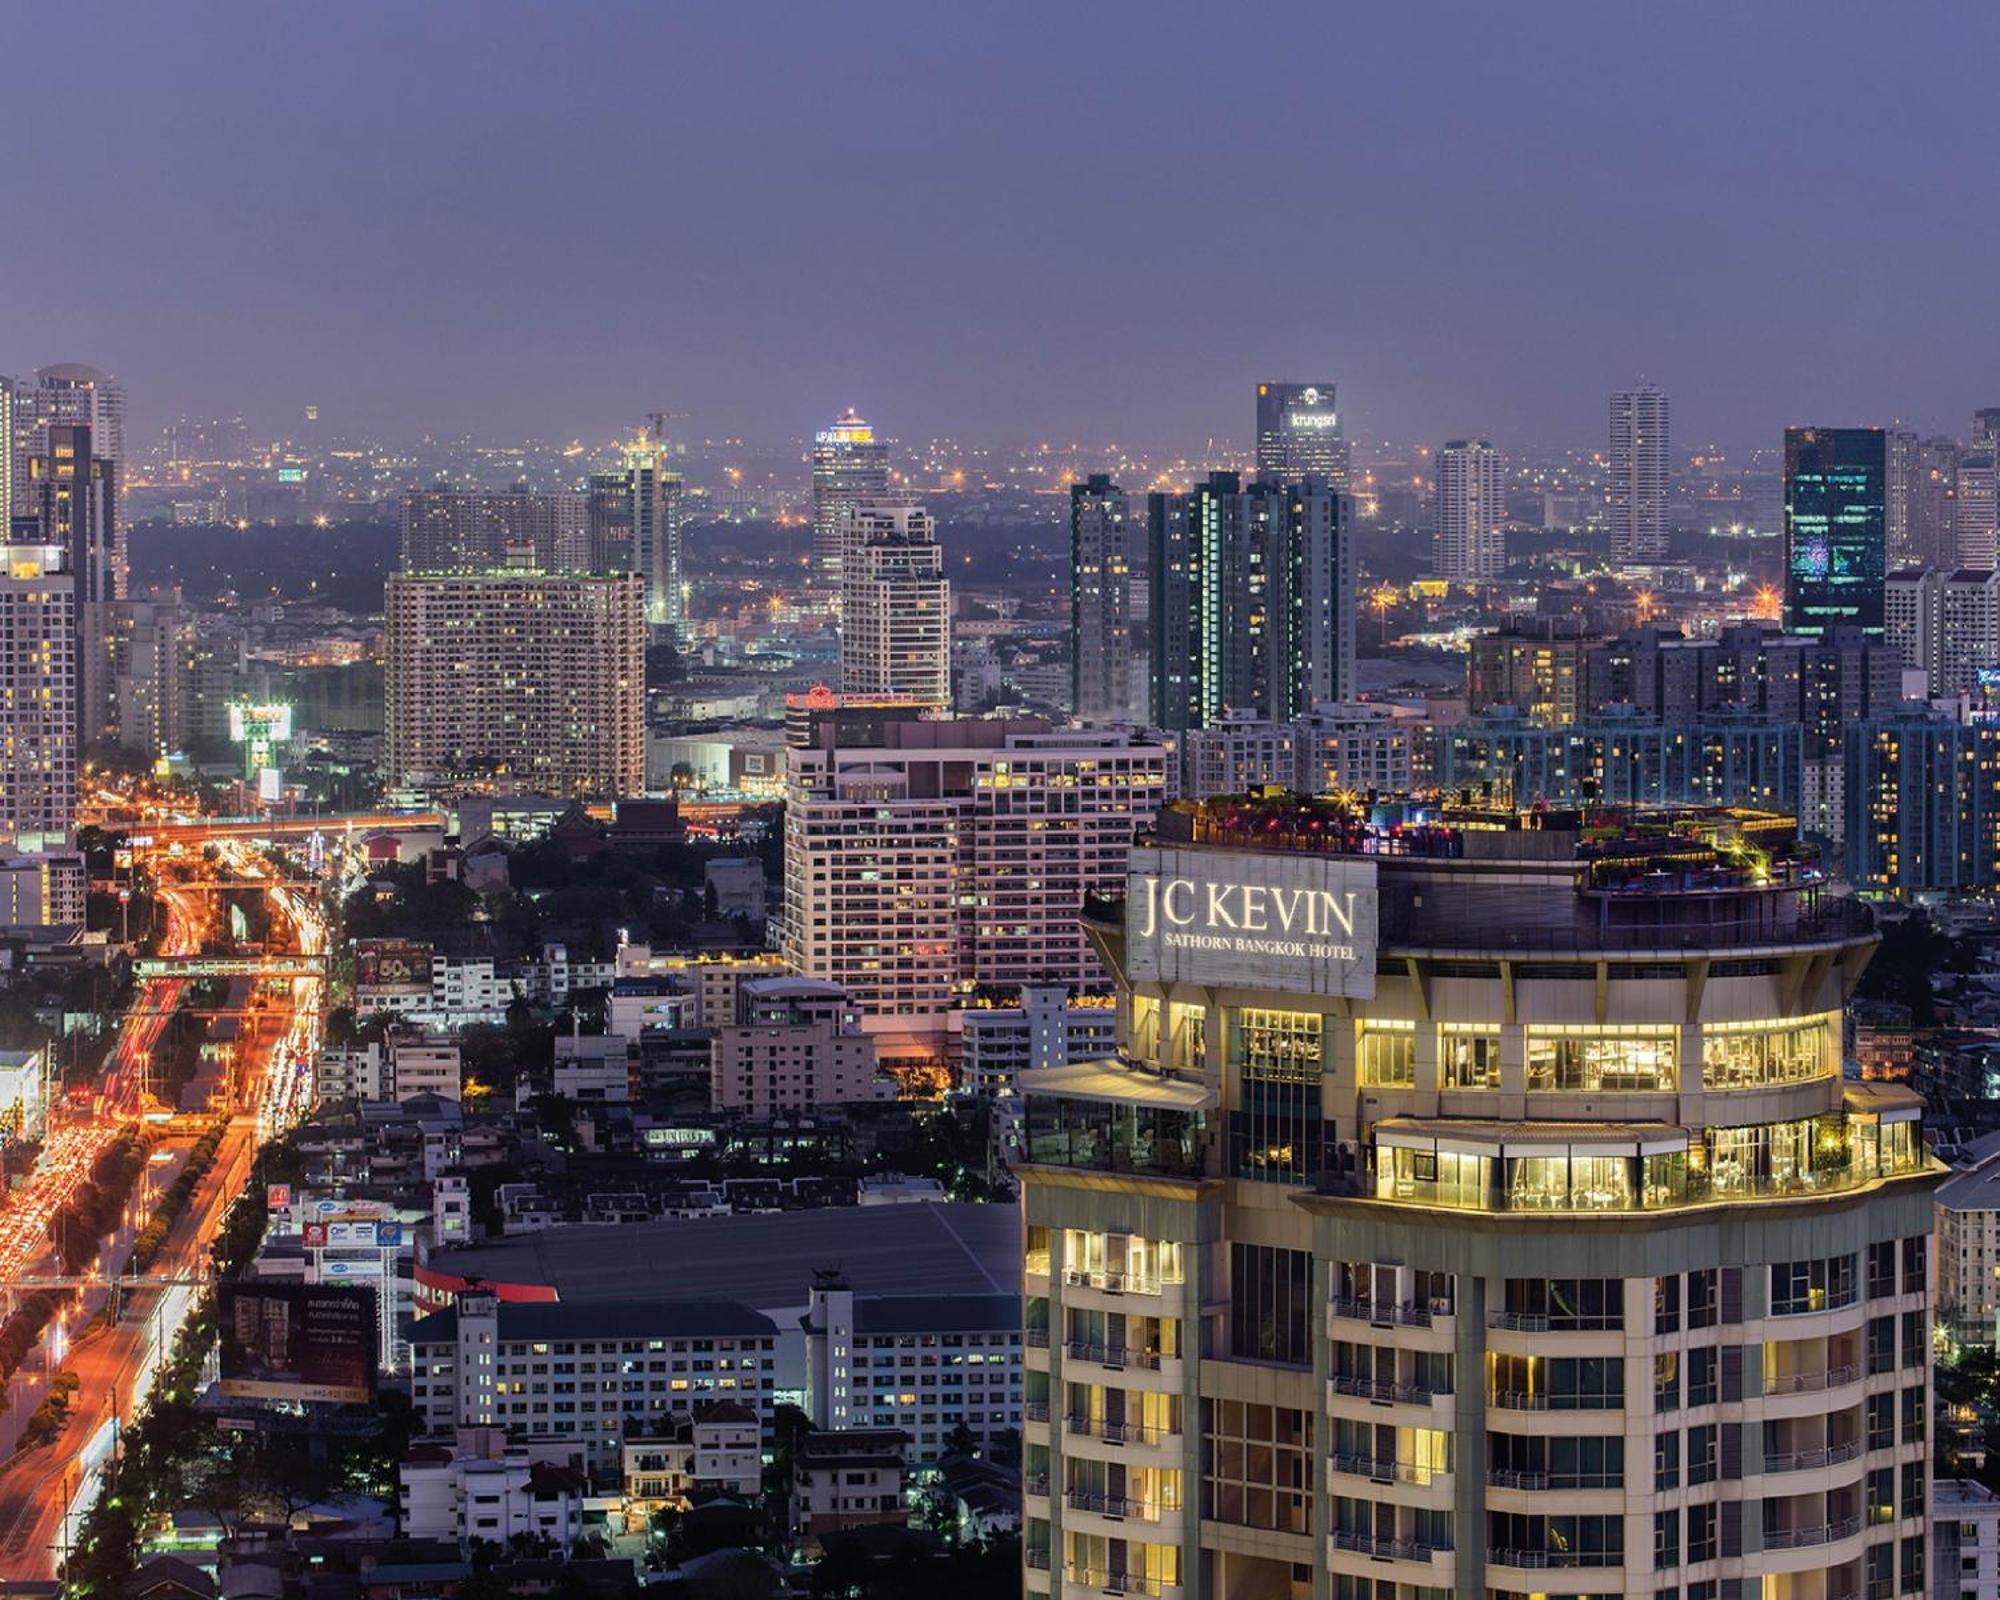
(961, 1441)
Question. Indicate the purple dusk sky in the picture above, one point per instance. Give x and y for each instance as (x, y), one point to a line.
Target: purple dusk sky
(1010, 222)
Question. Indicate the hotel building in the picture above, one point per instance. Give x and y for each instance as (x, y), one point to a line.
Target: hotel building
(1475, 1208)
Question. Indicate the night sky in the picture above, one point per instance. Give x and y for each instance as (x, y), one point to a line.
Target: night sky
(1009, 222)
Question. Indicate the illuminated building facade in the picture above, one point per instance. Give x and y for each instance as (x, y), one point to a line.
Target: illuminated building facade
(1641, 475)
(1835, 529)
(635, 519)
(481, 530)
(1252, 600)
(895, 625)
(1922, 803)
(38, 685)
(848, 464)
(524, 680)
(76, 495)
(1300, 434)
(1463, 1214)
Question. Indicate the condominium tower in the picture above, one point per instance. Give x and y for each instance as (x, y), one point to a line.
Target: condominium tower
(524, 679)
(38, 681)
(1106, 577)
(895, 628)
(1470, 504)
(478, 530)
(1467, 1214)
(848, 464)
(1639, 475)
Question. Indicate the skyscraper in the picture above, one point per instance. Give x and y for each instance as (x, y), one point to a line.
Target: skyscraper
(1986, 428)
(1977, 509)
(1835, 529)
(1300, 434)
(1920, 498)
(635, 515)
(1369, 1268)
(38, 683)
(848, 464)
(76, 496)
(895, 629)
(534, 679)
(1470, 545)
(1640, 475)
(7, 463)
(1106, 567)
(1252, 603)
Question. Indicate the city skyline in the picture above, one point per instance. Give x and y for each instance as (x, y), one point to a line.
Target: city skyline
(318, 272)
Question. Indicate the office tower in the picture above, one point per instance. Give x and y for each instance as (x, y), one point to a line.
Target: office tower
(38, 684)
(76, 494)
(532, 680)
(1640, 475)
(1470, 504)
(1920, 499)
(848, 464)
(921, 856)
(1379, 1264)
(1835, 556)
(1107, 567)
(479, 530)
(895, 628)
(8, 464)
(1252, 600)
(1922, 802)
(1976, 511)
(1985, 434)
(1300, 434)
(634, 515)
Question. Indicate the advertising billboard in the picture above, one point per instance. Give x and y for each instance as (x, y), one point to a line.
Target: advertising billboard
(296, 1341)
(1249, 919)
(392, 964)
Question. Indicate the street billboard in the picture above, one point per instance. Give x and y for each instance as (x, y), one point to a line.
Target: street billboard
(392, 964)
(296, 1341)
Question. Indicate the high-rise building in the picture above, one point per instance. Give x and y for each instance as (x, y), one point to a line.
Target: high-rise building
(921, 856)
(1976, 511)
(1252, 600)
(156, 674)
(481, 530)
(530, 679)
(1357, 746)
(1107, 569)
(1985, 433)
(634, 517)
(1835, 533)
(1470, 505)
(77, 500)
(1640, 475)
(895, 627)
(1448, 1226)
(8, 463)
(38, 685)
(848, 464)
(1946, 624)
(1920, 499)
(1922, 800)
(1300, 434)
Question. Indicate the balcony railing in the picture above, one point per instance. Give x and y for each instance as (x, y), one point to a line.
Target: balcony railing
(1408, 1394)
(1804, 1538)
(1537, 1560)
(1812, 1382)
(1517, 1400)
(1383, 1469)
(1111, 1505)
(1116, 1582)
(1038, 1338)
(1035, 1410)
(1038, 1559)
(1111, 1282)
(1112, 1355)
(1806, 1460)
(1543, 1322)
(1368, 1544)
(1508, 1478)
(1116, 1432)
(1383, 1313)
(1036, 1483)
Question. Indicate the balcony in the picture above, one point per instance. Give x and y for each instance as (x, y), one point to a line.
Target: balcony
(1368, 1544)
(1808, 1460)
(1038, 1338)
(1116, 1432)
(1506, 1478)
(1035, 1410)
(1118, 1582)
(1384, 1313)
(1111, 1282)
(1112, 1505)
(1408, 1394)
(1516, 1400)
(1112, 1355)
(1812, 1382)
(1035, 1483)
(1037, 1559)
(1806, 1538)
(1543, 1560)
(1384, 1469)
(1543, 1322)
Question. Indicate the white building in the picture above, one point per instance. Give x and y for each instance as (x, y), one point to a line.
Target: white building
(484, 1490)
(593, 1069)
(1043, 1025)
(796, 1044)
(1640, 478)
(1965, 1541)
(1337, 745)
(38, 698)
(1470, 501)
(423, 1064)
(1968, 1251)
(895, 622)
(923, 855)
(715, 1449)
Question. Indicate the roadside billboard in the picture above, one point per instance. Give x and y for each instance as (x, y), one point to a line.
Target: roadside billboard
(295, 1341)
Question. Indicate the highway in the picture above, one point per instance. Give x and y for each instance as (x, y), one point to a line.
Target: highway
(44, 1492)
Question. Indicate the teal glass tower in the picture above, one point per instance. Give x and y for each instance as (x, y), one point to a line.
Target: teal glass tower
(1835, 529)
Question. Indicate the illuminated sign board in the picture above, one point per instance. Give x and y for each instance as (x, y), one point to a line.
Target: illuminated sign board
(1312, 421)
(294, 1341)
(1246, 919)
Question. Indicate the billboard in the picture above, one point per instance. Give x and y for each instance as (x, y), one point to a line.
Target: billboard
(392, 964)
(296, 1341)
(1304, 924)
